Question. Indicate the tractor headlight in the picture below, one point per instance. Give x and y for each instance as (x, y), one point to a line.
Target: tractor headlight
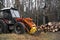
(33, 30)
(10, 22)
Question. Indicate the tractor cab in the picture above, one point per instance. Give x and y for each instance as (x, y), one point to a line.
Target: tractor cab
(9, 14)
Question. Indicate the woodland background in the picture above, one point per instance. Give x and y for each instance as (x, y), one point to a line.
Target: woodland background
(41, 11)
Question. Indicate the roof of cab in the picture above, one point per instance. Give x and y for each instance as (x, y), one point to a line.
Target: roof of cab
(8, 8)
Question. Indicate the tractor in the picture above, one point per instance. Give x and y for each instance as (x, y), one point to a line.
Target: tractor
(10, 21)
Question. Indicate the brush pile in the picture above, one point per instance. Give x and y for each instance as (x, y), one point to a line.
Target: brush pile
(50, 27)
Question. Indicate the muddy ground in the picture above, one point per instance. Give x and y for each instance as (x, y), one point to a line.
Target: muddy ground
(41, 36)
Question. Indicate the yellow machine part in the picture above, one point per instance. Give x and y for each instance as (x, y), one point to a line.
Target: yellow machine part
(33, 30)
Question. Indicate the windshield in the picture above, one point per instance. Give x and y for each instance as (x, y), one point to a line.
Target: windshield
(15, 13)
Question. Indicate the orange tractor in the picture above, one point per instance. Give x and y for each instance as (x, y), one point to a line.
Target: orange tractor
(10, 21)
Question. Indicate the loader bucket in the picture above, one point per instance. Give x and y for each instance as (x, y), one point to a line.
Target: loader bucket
(33, 30)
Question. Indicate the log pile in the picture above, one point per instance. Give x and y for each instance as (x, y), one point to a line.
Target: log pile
(50, 27)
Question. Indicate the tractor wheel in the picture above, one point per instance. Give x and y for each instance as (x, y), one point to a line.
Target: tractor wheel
(19, 28)
(3, 27)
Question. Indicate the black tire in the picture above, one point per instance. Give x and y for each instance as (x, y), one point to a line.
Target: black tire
(19, 28)
(3, 27)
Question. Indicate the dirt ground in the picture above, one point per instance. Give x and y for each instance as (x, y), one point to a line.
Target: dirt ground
(41, 36)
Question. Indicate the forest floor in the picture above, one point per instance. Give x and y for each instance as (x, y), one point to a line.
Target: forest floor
(41, 36)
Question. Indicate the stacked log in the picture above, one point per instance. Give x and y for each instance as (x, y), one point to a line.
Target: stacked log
(50, 27)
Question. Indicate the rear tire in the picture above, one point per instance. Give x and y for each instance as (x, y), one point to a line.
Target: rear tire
(3, 27)
(19, 28)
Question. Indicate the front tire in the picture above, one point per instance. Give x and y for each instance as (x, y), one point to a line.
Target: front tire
(19, 28)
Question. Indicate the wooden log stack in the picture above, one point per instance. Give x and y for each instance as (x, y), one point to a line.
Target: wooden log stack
(50, 27)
